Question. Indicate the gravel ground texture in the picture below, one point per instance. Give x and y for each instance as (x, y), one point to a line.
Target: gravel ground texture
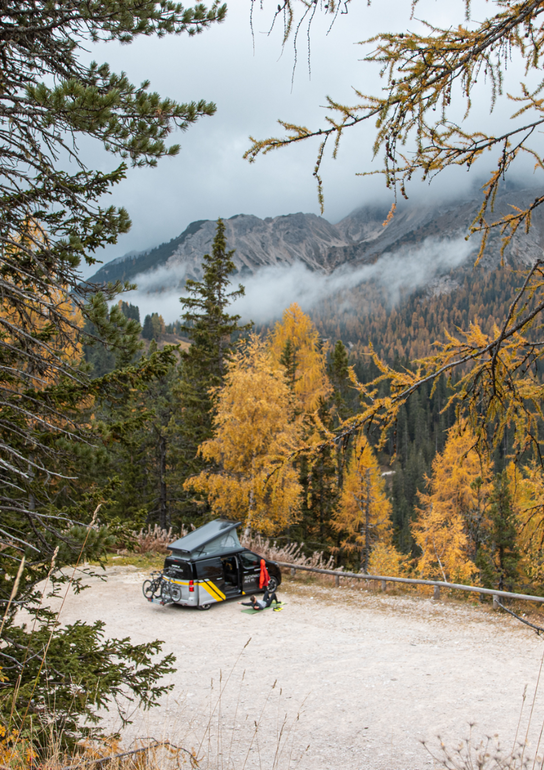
(340, 678)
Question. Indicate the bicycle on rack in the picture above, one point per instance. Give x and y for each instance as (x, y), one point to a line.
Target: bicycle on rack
(151, 588)
(161, 590)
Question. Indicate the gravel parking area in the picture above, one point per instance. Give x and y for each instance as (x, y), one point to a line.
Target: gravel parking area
(340, 678)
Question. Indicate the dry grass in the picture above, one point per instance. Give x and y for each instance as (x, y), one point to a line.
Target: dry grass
(148, 755)
(486, 754)
(291, 553)
(17, 754)
(154, 539)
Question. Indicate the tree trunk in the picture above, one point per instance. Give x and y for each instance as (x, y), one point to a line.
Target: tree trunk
(164, 519)
(247, 530)
(365, 552)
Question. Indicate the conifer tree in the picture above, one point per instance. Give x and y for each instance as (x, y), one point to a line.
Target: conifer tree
(363, 517)
(78, 654)
(129, 310)
(462, 481)
(294, 342)
(499, 559)
(153, 327)
(385, 559)
(211, 330)
(49, 96)
(453, 523)
(52, 217)
(288, 360)
(137, 432)
(295, 345)
(526, 487)
(440, 535)
(339, 375)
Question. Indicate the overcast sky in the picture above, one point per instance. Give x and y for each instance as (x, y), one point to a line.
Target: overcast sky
(250, 81)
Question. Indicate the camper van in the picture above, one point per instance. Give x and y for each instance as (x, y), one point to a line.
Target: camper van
(209, 565)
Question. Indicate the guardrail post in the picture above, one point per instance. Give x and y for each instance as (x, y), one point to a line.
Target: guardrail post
(496, 603)
(384, 585)
(337, 580)
(436, 593)
(293, 572)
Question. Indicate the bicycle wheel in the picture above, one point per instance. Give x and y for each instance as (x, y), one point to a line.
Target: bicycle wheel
(175, 593)
(167, 591)
(148, 589)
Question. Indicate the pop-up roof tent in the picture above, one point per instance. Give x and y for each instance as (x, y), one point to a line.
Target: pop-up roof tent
(216, 537)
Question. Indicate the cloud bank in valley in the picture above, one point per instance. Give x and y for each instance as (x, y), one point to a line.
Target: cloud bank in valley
(272, 289)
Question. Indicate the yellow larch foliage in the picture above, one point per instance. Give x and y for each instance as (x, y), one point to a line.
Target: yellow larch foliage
(63, 347)
(386, 560)
(527, 489)
(16, 753)
(310, 383)
(453, 517)
(363, 518)
(440, 534)
(32, 318)
(255, 435)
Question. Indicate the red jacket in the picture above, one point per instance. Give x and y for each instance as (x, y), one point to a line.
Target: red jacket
(264, 576)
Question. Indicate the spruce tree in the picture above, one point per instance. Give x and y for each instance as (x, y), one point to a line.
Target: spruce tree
(212, 331)
(498, 559)
(139, 458)
(85, 671)
(289, 361)
(129, 310)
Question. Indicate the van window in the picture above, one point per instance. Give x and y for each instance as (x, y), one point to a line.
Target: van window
(183, 570)
(221, 544)
(249, 559)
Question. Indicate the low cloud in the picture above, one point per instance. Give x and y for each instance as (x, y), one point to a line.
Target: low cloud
(272, 289)
(162, 279)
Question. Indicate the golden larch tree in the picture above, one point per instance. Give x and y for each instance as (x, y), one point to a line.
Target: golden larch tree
(527, 490)
(294, 343)
(363, 518)
(440, 534)
(386, 560)
(453, 518)
(255, 434)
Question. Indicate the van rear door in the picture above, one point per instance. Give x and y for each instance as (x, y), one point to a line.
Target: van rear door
(180, 574)
(211, 581)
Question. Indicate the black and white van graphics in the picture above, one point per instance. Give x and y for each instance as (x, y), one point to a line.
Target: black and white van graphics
(209, 565)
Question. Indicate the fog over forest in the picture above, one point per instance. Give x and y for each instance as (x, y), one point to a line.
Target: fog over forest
(272, 289)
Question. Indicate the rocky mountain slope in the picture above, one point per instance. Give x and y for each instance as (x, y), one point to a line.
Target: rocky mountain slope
(360, 238)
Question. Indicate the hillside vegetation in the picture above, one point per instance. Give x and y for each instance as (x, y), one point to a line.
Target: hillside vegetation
(407, 329)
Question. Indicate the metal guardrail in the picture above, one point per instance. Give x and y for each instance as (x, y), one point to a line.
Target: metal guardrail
(438, 584)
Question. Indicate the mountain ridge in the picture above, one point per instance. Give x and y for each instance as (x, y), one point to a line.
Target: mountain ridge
(362, 237)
